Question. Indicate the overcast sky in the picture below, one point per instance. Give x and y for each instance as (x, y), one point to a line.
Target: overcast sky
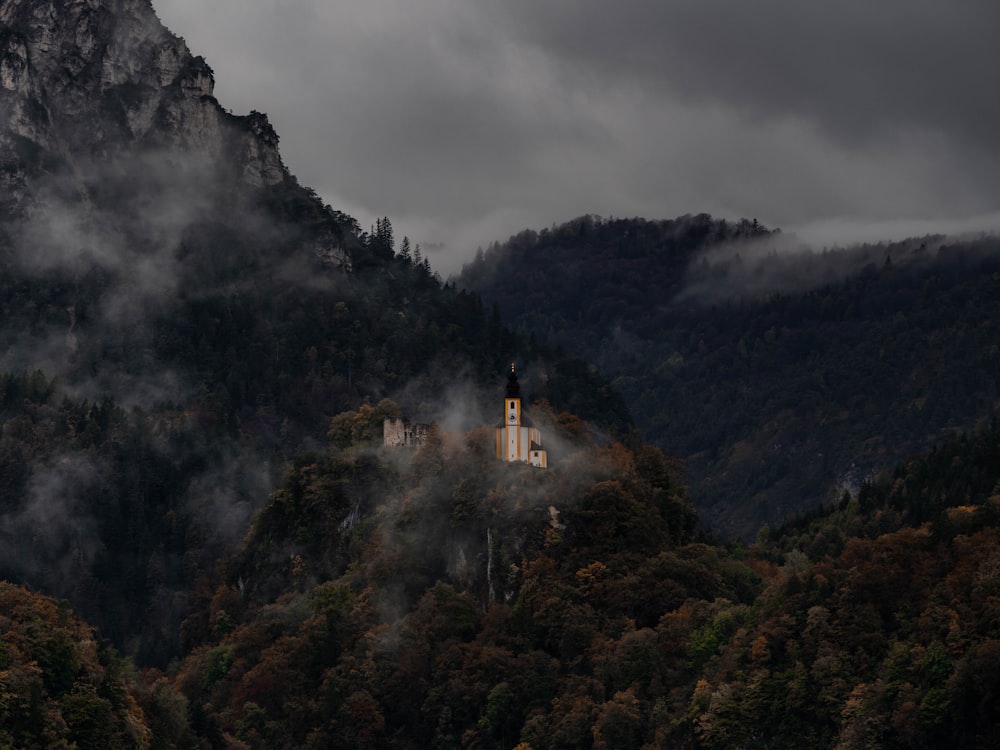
(465, 121)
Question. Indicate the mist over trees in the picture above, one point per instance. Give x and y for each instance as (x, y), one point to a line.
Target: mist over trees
(404, 599)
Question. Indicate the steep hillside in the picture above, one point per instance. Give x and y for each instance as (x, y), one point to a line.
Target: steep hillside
(60, 686)
(384, 598)
(406, 598)
(780, 375)
(490, 605)
(179, 317)
(389, 598)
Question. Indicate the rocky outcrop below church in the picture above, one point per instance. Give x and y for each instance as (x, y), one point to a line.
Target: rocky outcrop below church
(85, 82)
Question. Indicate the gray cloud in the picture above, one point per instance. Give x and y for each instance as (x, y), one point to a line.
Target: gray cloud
(467, 121)
(225, 497)
(855, 68)
(134, 244)
(783, 263)
(52, 536)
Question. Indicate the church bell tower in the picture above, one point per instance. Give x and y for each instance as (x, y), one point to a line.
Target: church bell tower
(517, 438)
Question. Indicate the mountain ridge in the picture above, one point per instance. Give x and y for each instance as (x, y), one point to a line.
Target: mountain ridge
(781, 375)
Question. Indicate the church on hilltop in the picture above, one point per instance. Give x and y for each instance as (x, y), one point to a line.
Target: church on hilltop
(517, 438)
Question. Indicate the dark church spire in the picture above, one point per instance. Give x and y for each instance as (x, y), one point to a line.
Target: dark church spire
(513, 389)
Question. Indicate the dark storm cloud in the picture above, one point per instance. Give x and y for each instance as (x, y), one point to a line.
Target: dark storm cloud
(467, 120)
(858, 69)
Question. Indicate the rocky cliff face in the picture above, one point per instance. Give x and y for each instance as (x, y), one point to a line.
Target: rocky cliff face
(126, 191)
(85, 81)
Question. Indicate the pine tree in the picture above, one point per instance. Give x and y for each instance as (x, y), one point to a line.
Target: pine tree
(385, 235)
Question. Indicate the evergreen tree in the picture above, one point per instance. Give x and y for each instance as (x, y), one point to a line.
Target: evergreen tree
(385, 234)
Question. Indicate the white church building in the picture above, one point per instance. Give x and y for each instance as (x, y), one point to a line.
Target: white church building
(517, 438)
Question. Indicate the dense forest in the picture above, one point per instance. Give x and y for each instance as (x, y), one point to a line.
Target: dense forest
(781, 375)
(438, 598)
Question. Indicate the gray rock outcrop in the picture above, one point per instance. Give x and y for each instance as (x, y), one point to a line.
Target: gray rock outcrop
(91, 81)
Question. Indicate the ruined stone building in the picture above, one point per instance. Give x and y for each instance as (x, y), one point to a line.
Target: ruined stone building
(398, 433)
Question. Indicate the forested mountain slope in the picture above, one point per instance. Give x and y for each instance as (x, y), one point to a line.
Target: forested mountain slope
(872, 623)
(480, 604)
(779, 374)
(179, 317)
(61, 686)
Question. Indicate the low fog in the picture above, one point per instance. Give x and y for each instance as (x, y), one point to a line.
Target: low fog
(785, 263)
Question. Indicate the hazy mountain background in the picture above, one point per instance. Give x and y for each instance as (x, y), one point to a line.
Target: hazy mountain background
(782, 375)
